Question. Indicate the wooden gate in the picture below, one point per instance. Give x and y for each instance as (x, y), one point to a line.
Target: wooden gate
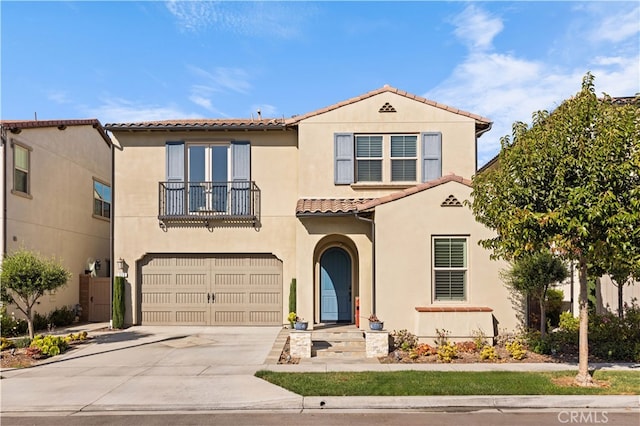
(95, 298)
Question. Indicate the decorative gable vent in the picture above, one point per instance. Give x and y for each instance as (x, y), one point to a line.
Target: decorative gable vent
(451, 201)
(387, 107)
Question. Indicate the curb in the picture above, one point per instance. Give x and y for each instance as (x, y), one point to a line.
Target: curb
(471, 402)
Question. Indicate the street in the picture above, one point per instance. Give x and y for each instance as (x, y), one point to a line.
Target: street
(333, 418)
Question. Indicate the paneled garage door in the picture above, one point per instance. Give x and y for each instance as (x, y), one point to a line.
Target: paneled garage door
(211, 289)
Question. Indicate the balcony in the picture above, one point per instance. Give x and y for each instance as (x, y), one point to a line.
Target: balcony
(209, 204)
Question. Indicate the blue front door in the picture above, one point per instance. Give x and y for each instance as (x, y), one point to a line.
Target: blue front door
(335, 286)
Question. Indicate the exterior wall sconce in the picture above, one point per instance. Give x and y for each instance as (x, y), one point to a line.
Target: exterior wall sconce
(121, 268)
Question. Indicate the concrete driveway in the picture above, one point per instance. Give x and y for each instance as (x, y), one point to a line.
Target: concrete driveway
(153, 368)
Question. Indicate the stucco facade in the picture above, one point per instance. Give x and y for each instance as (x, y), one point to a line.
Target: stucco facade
(54, 214)
(347, 201)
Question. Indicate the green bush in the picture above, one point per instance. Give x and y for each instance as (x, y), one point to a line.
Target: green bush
(10, 326)
(40, 322)
(489, 352)
(569, 323)
(49, 345)
(447, 352)
(516, 349)
(61, 317)
(5, 344)
(554, 305)
(292, 296)
(118, 302)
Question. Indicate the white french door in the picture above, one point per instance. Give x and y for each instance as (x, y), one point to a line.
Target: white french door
(209, 176)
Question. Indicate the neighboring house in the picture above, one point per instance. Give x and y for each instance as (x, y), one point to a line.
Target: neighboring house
(56, 197)
(361, 202)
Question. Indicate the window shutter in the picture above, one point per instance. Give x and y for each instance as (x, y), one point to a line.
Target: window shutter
(343, 155)
(241, 177)
(174, 190)
(431, 156)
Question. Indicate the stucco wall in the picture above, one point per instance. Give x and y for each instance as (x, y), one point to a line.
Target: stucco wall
(58, 219)
(316, 140)
(140, 162)
(404, 231)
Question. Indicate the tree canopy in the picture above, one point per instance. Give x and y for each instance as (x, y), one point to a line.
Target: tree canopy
(25, 277)
(570, 183)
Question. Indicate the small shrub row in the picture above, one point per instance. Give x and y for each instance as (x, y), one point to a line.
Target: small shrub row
(49, 345)
(14, 327)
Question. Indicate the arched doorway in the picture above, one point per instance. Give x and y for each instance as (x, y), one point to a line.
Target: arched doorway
(335, 286)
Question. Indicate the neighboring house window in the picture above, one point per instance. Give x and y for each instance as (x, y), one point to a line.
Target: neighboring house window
(101, 199)
(450, 268)
(403, 158)
(369, 158)
(387, 158)
(21, 168)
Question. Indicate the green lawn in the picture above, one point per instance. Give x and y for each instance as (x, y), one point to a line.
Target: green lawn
(411, 383)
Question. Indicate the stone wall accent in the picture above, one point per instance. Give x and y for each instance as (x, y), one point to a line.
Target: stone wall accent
(300, 344)
(377, 343)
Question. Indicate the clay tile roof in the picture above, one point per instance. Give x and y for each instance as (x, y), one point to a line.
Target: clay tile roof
(481, 122)
(200, 124)
(412, 190)
(328, 206)
(16, 126)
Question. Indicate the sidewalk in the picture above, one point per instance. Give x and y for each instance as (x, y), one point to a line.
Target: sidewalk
(205, 368)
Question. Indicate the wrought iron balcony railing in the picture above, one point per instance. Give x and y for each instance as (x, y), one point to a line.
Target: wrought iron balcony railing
(203, 202)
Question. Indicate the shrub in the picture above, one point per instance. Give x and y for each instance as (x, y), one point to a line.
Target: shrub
(569, 323)
(76, 337)
(422, 350)
(489, 352)
(49, 345)
(616, 338)
(516, 349)
(5, 343)
(40, 322)
(118, 302)
(479, 338)
(554, 305)
(10, 326)
(447, 352)
(404, 340)
(23, 342)
(466, 347)
(62, 317)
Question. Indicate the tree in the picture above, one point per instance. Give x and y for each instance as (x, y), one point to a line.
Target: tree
(25, 277)
(532, 274)
(570, 183)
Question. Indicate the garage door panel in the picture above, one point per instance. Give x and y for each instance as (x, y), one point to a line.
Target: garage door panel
(212, 289)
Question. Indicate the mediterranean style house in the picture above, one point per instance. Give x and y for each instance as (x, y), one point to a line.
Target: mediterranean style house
(56, 197)
(361, 202)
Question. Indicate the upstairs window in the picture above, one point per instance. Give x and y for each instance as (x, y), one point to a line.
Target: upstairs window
(403, 158)
(101, 199)
(21, 169)
(369, 158)
(387, 158)
(450, 268)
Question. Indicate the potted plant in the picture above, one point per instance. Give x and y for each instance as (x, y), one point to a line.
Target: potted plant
(297, 322)
(375, 323)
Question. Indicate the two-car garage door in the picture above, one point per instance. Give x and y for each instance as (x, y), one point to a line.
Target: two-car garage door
(211, 289)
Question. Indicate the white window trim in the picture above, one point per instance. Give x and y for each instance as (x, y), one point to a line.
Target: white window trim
(414, 159)
(14, 191)
(434, 299)
(93, 200)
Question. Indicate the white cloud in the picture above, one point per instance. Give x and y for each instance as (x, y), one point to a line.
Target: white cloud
(476, 28)
(266, 110)
(283, 20)
(119, 110)
(59, 96)
(618, 27)
(219, 80)
(507, 88)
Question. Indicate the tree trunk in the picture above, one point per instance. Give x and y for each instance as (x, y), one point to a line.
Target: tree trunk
(543, 317)
(620, 312)
(29, 315)
(583, 378)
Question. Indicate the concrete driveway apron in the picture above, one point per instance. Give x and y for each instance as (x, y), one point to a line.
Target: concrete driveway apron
(153, 368)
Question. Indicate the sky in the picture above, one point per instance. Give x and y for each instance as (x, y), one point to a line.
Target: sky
(128, 61)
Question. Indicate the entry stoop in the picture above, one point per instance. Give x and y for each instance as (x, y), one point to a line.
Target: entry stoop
(338, 342)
